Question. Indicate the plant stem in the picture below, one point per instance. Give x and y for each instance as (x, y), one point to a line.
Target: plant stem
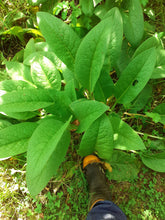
(156, 137)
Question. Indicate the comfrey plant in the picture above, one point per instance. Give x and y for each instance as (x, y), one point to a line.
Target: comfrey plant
(68, 78)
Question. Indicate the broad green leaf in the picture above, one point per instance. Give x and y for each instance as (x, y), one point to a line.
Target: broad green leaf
(98, 137)
(21, 115)
(14, 85)
(147, 44)
(14, 139)
(124, 167)
(91, 54)
(18, 56)
(141, 100)
(87, 7)
(159, 71)
(125, 138)
(60, 108)
(4, 124)
(69, 76)
(154, 161)
(103, 8)
(26, 100)
(70, 90)
(87, 111)
(158, 114)
(50, 55)
(45, 74)
(30, 48)
(96, 2)
(116, 40)
(104, 87)
(46, 151)
(124, 57)
(133, 21)
(18, 71)
(135, 76)
(100, 42)
(42, 47)
(157, 145)
(63, 41)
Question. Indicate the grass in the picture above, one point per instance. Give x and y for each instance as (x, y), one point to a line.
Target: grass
(66, 195)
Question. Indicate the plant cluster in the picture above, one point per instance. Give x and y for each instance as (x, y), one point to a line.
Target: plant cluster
(85, 78)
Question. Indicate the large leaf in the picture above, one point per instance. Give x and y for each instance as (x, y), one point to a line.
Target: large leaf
(21, 115)
(14, 85)
(14, 139)
(159, 71)
(34, 57)
(124, 167)
(116, 40)
(141, 100)
(135, 76)
(29, 49)
(154, 161)
(45, 74)
(87, 7)
(26, 100)
(87, 111)
(60, 108)
(133, 21)
(46, 151)
(147, 44)
(104, 87)
(63, 41)
(18, 71)
(4, 124)
(98, 137)
(125, 138)
(100, 42)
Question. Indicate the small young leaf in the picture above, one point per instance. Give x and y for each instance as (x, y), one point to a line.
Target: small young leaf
(98, 137)
(63, 41)
(87, 111)
(26, 100)
(154, 161)
(124, 167)
(125, 138)
(45, 74)
(14, 139)
(46, 151)
(158, 114)
(135, 76)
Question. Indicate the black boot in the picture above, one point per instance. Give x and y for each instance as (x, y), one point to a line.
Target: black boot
(95, 175)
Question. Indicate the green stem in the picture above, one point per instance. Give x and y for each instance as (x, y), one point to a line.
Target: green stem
(156, 137)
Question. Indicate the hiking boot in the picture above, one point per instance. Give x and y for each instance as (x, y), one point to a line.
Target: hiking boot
(95, 175)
